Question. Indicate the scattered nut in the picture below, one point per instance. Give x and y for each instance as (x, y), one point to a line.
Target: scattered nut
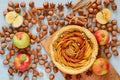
(23, 4)
(51, 76)
(44, 57)
(41, 62)
(55, 69)
(41, 74)
(114, 6)
(5, 62)
(47, 70)
(31, 4)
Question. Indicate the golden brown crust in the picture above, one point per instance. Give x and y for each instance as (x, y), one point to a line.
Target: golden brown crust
(67, 69)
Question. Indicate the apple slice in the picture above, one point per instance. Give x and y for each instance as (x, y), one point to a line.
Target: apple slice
(104, 16)
(14, 19)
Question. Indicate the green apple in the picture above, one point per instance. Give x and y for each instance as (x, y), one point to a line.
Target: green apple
(21, 40)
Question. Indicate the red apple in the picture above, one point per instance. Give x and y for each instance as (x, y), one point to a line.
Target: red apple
(21, 40)
(102, 37)
(22, 61)
(101, 66)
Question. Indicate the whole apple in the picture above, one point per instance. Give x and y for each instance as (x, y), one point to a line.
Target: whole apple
(102, 37)
(22, 61)
(21, 40)
(101, 66)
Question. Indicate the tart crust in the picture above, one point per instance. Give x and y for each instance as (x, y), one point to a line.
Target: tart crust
(67, 69)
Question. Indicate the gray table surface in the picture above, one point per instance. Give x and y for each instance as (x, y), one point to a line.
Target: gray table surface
(115, 61)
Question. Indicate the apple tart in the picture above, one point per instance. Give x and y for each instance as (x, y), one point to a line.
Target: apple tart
(73, 49)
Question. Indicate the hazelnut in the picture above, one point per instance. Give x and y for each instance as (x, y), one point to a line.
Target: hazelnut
(46, 5)
(118, 30)
(114, 22)
(114, 49)
(55, 69)
(51, 31)
(39, 12)
(38, 39)
(95, 29)
(29, 18)
(98, 2)
(111, 0)
(36, 60)
(10, 70)
(34, 21)
(41, 62)
(55, 16)
(41, 17)
(49, 18)
(39, 55)
(34, 66)
(62, 22)
(34, 36)
(110, 29)
(47, 70)
(26, 78)
(16, 5)
(10, 30)
(3, 45)
(116, 53)
(4, 28)
(51, 64)
(11, 64)
(2, 39)
(17, 10)
(8, 39)
(51, 76)
(8, 56)
(32, 57)
(46, 64)
(32, 41)
(38, 47)
(118, 43)
(50, 13)
(115, 27)
(31, 4)
(44, 57)
(106, 51)
(12, 52)
(2, 52)
(114, 6)
(50, 22)
(10, 9)
(35, 72)
(112, 43)
(5, 62)
(2, 34)
(114, 33)
(38, 28)
(41, 74)
(45, 27)
(80, 11)
(95, 11)
(10, 3)
(30, 25)
(90, 10)
(94, 5)
(109, 55)
(99, 7)
(106, 2)
(25, 22)
(114, 38)
(34, 77)
(5, 12)
(22, 4)
(34, 10)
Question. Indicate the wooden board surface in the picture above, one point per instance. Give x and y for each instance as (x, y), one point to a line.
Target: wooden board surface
(88, 75)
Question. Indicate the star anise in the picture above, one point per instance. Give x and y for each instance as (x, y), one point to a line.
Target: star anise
(69, 4)
(89, 73)
(60, 7)
(52, 5)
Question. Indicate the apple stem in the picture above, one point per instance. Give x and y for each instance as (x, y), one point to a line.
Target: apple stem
(23, 58)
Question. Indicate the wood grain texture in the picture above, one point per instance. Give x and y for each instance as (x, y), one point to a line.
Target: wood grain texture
(112, 75)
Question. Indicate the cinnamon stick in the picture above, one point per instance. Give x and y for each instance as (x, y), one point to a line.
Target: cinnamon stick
(82, 5)
(33, 16)
(76, 3)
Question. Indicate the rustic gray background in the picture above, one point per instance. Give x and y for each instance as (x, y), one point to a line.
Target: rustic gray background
(3, 69)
